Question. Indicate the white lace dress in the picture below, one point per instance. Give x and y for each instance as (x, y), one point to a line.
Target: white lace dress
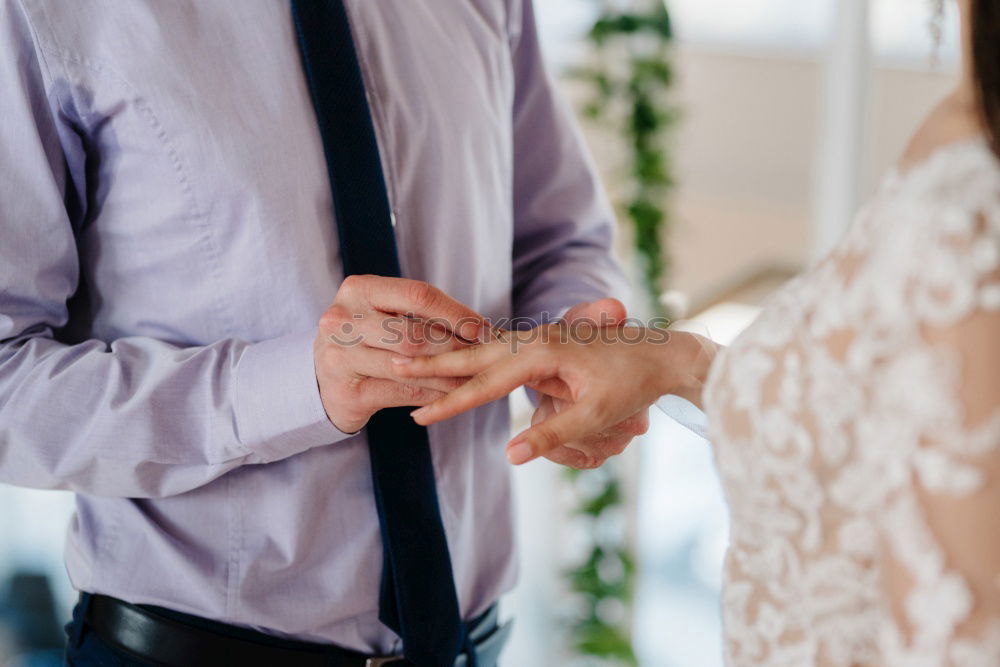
(856, 426)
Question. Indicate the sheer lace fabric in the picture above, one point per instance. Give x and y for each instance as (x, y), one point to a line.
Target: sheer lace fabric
(856, 426)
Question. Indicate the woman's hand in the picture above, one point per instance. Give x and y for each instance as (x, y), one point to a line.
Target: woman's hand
(603, 376)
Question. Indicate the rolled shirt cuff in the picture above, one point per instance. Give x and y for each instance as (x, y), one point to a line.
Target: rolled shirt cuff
(279, 412)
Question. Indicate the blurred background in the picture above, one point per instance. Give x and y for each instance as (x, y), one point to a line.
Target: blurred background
(783, 115)
(786, 114)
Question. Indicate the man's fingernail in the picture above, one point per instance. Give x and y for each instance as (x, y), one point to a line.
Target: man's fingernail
(519, 452)
(418, 413)
(477, 329)
(478, 333)
(402, 361)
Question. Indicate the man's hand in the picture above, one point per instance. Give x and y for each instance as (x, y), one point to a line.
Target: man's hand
(373, 318)
(593, 450)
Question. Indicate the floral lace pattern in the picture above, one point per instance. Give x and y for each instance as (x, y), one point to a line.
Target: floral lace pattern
(856, 425)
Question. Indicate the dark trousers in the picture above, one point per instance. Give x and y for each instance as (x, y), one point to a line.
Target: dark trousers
(85, 649)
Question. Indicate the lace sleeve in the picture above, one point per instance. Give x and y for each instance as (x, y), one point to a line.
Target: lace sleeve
(940, 530)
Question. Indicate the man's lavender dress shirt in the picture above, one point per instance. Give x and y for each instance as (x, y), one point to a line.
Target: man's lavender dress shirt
(167, 247)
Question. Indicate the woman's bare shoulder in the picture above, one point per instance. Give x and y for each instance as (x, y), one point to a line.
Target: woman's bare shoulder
(953, 120)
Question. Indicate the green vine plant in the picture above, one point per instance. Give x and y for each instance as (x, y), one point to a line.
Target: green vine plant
(628, 80)
(603, 583)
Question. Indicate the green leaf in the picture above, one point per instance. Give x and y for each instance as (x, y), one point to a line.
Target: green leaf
(609, 497)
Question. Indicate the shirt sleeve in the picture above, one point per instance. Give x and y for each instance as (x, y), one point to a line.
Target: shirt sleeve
(563, 222)
(685, 413)
(133, 417)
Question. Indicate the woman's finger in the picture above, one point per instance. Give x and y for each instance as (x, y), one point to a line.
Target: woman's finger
(495, 382)
(460, 363)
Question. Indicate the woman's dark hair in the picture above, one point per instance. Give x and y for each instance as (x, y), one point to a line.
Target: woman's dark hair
(986, 64)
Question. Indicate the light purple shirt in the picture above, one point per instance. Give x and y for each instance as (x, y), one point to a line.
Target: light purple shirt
(167, 247)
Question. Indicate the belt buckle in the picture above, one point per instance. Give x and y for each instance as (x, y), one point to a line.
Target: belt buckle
(385, 660)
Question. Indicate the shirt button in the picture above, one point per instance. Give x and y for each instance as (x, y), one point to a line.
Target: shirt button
(392, 218)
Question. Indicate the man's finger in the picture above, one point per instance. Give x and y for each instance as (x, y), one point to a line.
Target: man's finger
(409, 337)
(553, 387)
(623, 431)
(420, 299)
(563, 455)
(568, 426)
(381, 394)
(489, 385)
(572, 458)
(603, 446)
(636, 425)
(371, 363)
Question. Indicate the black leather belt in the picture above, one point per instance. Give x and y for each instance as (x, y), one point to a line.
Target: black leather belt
(170, 639)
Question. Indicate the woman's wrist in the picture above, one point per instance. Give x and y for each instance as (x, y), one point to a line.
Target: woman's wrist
(688, 361)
